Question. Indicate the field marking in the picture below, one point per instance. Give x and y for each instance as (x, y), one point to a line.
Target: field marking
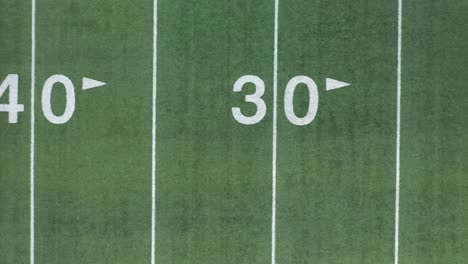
(153, 137)
(88, 83)
(255, 98)
(31, 169)
(397, 180)
(275, 102)
(332, 84)
(289, 100)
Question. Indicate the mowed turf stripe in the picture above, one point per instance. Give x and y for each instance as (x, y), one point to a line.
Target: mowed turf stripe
(93, 173)
(434, 183)
(214, 174)
(15, 31)
(336, 175)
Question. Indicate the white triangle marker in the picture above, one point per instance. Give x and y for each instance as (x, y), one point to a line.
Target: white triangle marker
(334, 84)
(90, 83)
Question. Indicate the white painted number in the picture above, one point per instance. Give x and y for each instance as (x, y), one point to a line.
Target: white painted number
(69, 103)
(255, 98)
(12, 107)
(289, 100)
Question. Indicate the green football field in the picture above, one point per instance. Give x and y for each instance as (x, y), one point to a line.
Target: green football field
(233, 131)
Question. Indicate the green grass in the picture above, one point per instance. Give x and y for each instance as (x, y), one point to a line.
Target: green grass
(435, 183)
(14, 139)
(336, 176)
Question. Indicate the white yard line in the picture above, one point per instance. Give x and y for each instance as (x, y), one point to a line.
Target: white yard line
(397, 192)
(33, 81)
(275, 102)
(153, 147)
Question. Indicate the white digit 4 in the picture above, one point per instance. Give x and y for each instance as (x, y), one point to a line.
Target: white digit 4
(289, 100)
(11, 81)
(69, 103)
(255, 98)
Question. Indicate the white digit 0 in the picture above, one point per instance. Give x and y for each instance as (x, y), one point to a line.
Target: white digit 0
(69, 103)
(255, 98)
(289, 100)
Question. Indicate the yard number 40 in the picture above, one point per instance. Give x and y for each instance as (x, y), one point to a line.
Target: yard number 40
(256, 98)
(13, 108)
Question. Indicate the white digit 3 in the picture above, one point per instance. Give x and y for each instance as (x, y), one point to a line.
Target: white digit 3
(255, 98)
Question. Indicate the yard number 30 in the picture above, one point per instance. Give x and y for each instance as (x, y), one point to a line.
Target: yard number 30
(256, 98)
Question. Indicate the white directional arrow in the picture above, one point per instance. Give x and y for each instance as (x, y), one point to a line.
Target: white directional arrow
(90, 83)
(334, 84)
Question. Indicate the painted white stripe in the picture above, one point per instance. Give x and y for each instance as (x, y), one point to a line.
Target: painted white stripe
(153, 147)
(397, 181)
(31, 169)
(275, 102)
